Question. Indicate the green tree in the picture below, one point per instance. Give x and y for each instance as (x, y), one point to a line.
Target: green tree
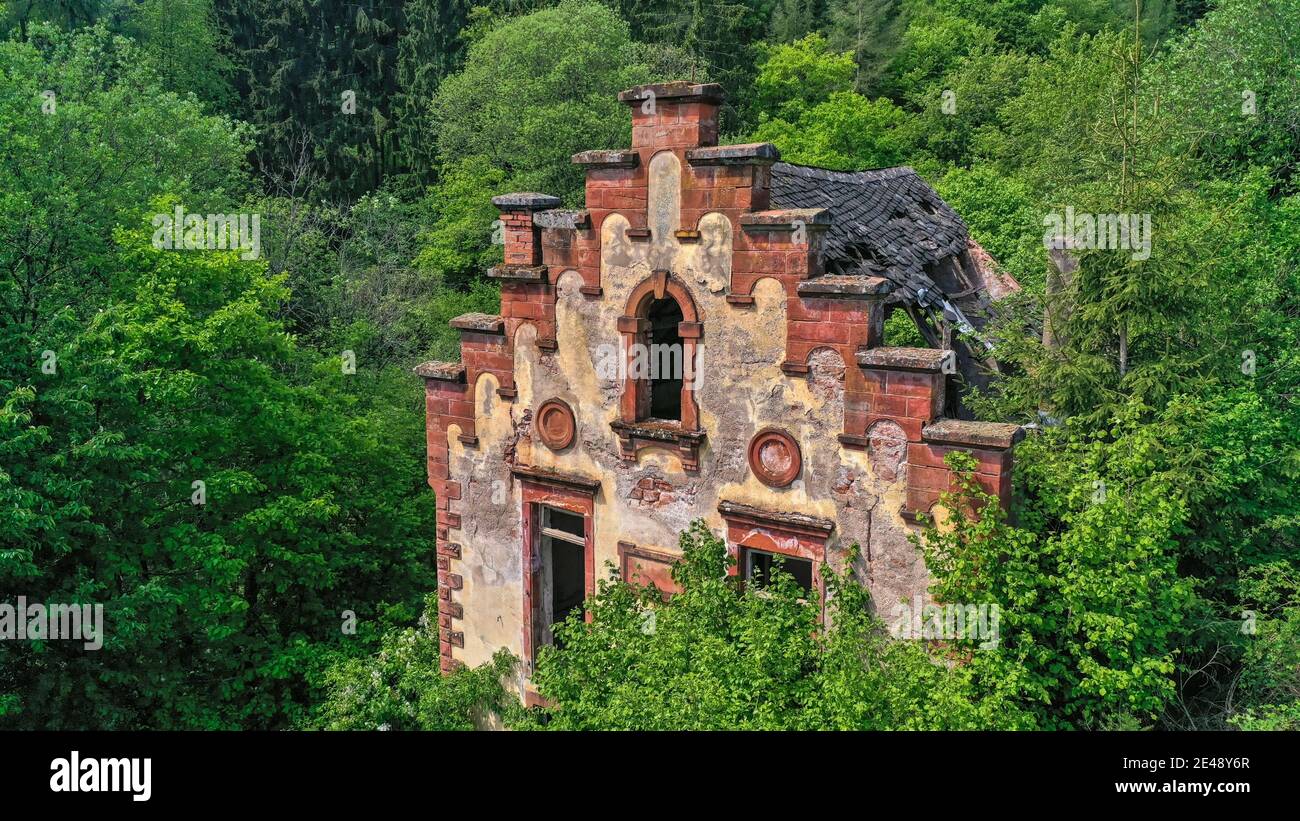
(814, 118)
(536, 90)
(325, 72)
(717, 656)
(1092, 612)
(870, 31)
(232, 500)
(402, 687)
(1231, 81)
(429, 48)
(186, 43)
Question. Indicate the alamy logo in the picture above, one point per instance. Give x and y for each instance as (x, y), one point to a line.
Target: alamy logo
(53, 622)
(75, 774)
(1115, 232)
(654, 361)
(948, 622)
(180, 231)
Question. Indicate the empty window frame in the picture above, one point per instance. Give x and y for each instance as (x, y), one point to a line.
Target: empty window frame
(666, 360)
(563, 568)
(756, 568)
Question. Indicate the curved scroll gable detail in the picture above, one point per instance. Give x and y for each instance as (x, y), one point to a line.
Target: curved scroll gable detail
(586, 396)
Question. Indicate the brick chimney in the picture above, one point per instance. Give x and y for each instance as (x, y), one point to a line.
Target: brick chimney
(674, 115)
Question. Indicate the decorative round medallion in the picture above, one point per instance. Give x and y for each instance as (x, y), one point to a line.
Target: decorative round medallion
(774, 457)
(555, 424)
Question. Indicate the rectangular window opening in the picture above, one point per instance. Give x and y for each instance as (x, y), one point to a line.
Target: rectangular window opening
(563, 571)
(756, 568)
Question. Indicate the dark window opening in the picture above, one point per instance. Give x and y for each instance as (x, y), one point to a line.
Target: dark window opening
(757, 567)
(666, 360)
(563, 570)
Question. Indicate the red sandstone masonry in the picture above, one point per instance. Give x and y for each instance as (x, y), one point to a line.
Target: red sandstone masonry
(903, 386)
(522, 238)
(442, 391)
(989, 443)
(907, 386)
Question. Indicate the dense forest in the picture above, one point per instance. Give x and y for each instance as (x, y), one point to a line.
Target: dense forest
(226, 449)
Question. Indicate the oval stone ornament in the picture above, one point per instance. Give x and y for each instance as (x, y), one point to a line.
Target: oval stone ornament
(555, 424)
(774, 457)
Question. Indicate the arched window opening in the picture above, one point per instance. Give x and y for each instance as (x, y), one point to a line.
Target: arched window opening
(667, 359)
(660, 333)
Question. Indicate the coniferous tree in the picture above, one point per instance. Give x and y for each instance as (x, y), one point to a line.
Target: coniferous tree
(868, 28)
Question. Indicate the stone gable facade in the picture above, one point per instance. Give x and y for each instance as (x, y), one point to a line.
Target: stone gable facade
(768, 404)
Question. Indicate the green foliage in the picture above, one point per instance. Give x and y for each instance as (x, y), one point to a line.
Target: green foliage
(459, 244)
(870, 31)
(217, 612)
(847, 132)
(963, 106)
(537, 89)
(402, 687)
(1135, 552)
(714, 40)
(319, 78)
(1232, 84)
(83, 162)
(718, 656)
(931, 46)
(797, 77)
(816, 119)
(1270, 695)
(1092, 612)
(901, 331)
(430, 47)
(1119, 611)
(999, 211)
(170, 368)
(187, 46)
(534, 90)
(1267, 695)
(795, 19)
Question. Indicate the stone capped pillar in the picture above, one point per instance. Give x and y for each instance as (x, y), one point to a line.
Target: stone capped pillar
(523, 239)
(674, 115)
(989, 443)
(526, 293)
(905, 386)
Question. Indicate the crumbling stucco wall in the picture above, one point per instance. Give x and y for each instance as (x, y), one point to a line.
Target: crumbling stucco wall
(742, 390)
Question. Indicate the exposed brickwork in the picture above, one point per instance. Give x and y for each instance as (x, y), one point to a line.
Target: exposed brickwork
(989, 443)
(929, 475)
(893, 398)
(445, 404)
(652, 492)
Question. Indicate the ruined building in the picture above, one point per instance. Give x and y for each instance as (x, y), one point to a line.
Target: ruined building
(769, 404)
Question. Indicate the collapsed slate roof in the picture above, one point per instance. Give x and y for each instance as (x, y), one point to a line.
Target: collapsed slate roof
(889, 223)
(889, 234)
(881, 219)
